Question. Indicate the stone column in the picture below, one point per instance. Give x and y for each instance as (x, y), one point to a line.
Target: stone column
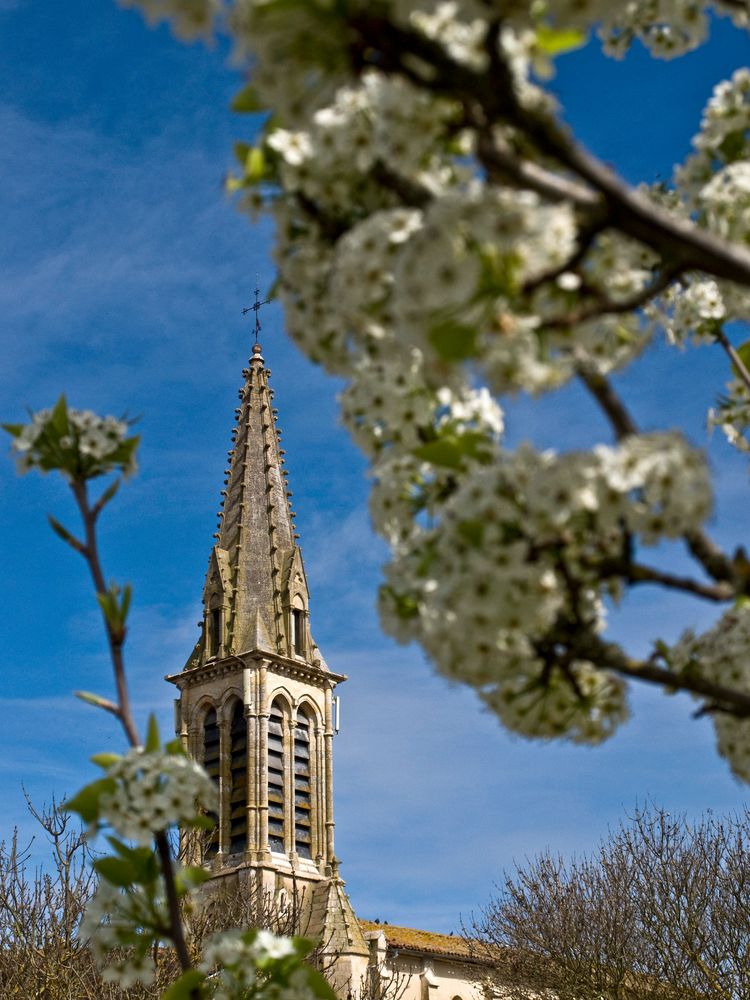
(289, 830)
(328, 763)
(261, 763)
(250, 698)
(225, 784)
(318, 797)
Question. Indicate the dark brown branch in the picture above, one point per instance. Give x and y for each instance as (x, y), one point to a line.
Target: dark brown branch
(715, 562)
(587, 233)
(490, 98)
(614, 409)
(410, 192)
(173, 904)
(638, 573)
(609, 656)
(602, 306)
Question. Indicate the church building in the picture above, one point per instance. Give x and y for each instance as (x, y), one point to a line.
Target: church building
(258, 708)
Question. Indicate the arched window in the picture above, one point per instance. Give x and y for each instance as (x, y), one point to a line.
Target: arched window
(302, 796)
(211, 763)
(276, 778)
(238, 781)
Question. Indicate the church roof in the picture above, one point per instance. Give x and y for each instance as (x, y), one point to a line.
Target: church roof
(449, 946)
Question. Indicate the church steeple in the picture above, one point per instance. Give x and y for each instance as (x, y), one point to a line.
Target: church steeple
(256, 697)
(255, 595)
(256, 703)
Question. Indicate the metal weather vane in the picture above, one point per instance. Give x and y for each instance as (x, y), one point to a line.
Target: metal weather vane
(255, 308)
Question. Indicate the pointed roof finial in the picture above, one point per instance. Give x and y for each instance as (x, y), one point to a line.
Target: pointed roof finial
(255, 307)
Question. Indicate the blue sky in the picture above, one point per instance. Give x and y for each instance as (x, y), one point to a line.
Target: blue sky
(123, 274)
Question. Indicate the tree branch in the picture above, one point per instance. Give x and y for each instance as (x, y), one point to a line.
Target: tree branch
(719, 592)
(609, 656)
(613, 407)
(490, 98)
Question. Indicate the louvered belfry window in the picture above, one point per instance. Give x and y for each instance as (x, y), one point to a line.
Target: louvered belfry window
(276, 779)
(238, 781)
(211, 758)
(302, 797)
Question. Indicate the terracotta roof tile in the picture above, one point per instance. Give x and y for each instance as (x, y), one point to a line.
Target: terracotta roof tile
(429, 943)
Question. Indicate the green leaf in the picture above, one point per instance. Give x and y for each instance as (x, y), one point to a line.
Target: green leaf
(555, 41)
(318, 985)
(255, 165)
(142, 860)
(201, 823)
(58, 420)
(175, 748)
(733, 145)
(188, 878)
(110, 491)
(233, 184)
(95, 699)
(127, 596)
(117, 871)
(241, 152)
(13, 429)
(153, 740)
(86, 802)
(405, 605)
(63, 533)
(472, 531)
(185, 985)
(446, 452)
(105, 760)
(246, 101)
(453, 341)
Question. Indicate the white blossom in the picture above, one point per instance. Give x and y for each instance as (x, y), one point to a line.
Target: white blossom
(154, 791)
(720, 655)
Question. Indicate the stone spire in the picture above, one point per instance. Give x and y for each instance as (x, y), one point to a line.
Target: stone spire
(256, 594)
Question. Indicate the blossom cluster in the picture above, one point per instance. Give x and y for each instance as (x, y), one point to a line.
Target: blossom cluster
(79, 443)
(720, 655)
(523, 549)
(152, 791)
(237, 964)
(121, 926)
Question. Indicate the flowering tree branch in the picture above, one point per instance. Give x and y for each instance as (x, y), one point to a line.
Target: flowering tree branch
(444, 240)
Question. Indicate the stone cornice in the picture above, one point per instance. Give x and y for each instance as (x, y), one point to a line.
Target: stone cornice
(228, 665)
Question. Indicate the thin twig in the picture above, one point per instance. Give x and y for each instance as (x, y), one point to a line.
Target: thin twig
(80, 492)
(603, 305)
(736, 360)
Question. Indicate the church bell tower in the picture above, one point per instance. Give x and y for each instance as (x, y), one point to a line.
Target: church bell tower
(256, 699)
